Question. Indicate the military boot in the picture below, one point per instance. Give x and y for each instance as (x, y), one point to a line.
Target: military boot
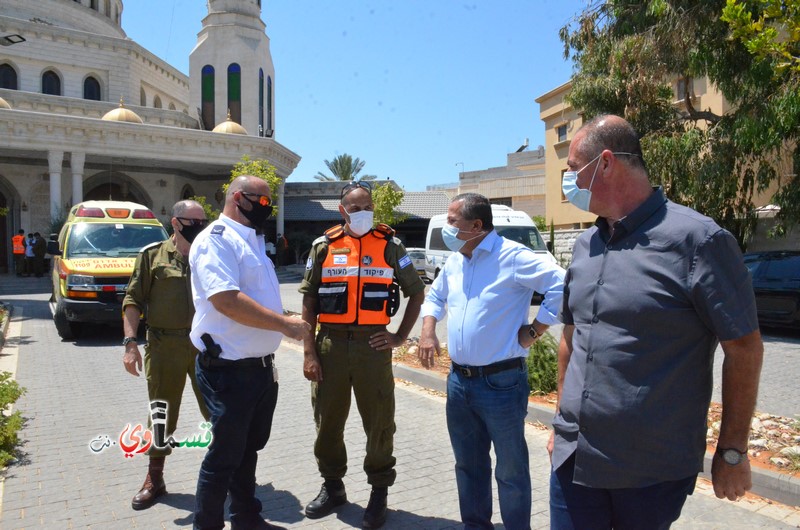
(153, 486)
(330, 496)
(375, 514)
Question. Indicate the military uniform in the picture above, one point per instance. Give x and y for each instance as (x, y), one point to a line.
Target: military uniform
(351, 278)
(160, 288)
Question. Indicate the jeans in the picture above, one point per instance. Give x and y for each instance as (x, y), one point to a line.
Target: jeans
(241, 402)
(577, 507)
(481, 411)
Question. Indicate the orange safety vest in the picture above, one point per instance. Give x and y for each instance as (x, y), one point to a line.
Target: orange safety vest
(18, 243)
(356, 278)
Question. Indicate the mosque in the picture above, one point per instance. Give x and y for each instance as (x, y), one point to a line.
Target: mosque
(86, 113)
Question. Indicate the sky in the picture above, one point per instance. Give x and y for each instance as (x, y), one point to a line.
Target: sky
(419, 89)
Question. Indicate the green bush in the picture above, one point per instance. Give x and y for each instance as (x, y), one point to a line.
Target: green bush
(10, 424)
(543, 365)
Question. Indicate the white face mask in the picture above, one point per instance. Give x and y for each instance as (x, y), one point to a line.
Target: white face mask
(360, 222)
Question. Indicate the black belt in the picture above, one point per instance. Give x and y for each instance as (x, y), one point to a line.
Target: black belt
(182, 332)
(489, 369)
(250, 362)
(351, 334)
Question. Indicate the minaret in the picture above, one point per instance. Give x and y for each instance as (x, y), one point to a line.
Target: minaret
(230, 68)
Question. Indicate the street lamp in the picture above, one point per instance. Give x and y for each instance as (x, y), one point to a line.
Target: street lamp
(11, 39)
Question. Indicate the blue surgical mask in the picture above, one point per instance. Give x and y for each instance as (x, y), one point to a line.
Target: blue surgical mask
(450, 237)
(580, 198)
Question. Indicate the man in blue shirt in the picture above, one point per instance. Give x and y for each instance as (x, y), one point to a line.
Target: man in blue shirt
(486, 286)
(652, 289)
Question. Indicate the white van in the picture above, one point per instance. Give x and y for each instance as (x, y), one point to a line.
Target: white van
(511, 224)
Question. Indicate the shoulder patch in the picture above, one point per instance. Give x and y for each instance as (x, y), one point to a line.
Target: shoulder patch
(217, 230)
(384, 230)
(396, 241)
(320, 239)
(404, 262)
(333, 233)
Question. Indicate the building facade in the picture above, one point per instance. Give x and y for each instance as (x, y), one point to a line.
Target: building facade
(86, 113)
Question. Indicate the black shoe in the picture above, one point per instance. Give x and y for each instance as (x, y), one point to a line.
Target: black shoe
(330, 496)
(375, 514)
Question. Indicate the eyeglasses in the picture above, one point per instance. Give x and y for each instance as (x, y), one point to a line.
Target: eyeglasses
(185, 221)
(355, 185)
(263, 200)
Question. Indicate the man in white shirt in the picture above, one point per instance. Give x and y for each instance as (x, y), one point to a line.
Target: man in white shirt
(238, 324)
(486, 285)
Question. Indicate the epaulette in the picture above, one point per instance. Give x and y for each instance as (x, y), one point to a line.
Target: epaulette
(333, 233)
(150, 246)
(384, 230)
(320, 239)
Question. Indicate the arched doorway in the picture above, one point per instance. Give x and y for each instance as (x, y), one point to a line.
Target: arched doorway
(115, 186)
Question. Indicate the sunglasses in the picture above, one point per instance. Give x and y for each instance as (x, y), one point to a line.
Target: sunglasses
(185, 221)
(263, 200)
(355, 185)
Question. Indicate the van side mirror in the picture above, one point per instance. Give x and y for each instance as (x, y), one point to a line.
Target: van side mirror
(550, 247)
(52, 248)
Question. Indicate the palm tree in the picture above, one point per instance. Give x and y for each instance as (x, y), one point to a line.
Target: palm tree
(344, 168)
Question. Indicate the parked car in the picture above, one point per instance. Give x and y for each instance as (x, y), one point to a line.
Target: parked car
(417, 256)
(776, 282)
(93, 261)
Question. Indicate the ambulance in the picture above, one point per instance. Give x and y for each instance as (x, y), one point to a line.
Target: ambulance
(93, 259)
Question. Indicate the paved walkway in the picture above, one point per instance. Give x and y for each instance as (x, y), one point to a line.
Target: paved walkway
(79, 392)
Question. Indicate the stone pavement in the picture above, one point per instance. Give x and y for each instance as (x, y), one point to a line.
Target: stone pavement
(79, 392)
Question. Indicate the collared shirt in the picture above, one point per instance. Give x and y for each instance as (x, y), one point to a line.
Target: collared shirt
(488, 297)
(649, 305)
(160, 287)
(228, 256)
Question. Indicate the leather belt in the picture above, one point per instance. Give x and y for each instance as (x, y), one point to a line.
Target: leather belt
(489, 369)
(250, 362)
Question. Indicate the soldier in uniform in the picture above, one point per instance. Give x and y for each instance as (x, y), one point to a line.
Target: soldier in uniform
(350, 286)
(160, 289)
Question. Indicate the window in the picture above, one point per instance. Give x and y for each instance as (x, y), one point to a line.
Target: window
(91, 89)
(261, 102)
(269, 107)
(142, 98)
(157, 102)
(505, 201)
(682, 86)
(235, 92)
(8, 77)
(93, 5)
(171, 106)
(207, 97)
(561, 133)
(51, 83)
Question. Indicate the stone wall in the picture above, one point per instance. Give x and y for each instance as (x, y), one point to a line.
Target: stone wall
(565, 240)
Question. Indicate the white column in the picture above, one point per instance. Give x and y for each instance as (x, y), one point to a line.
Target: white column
(77, 163)
(279, 222)
(54, 160)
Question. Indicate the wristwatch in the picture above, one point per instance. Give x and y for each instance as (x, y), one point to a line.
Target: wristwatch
(126, 340)
(533, 333)
(732, 456)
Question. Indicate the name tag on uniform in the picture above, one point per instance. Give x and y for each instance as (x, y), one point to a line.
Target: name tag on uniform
(340, 251)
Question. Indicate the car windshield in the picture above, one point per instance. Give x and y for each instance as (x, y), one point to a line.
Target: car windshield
(416, 254)
(117, 240)
(522, 234)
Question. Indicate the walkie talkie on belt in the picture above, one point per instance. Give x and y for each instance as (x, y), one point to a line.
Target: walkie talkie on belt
(212, 348)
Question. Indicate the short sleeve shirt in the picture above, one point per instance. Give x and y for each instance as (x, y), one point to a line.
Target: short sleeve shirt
(649, 305)
(228, 256)
(160, 287)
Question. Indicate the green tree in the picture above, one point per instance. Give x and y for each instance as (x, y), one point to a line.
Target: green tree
(385, 199)
(540, 222)
(258, 168)
(344, 168)
(627, 54)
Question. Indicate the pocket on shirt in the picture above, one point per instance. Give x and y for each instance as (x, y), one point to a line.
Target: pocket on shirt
(333, 298)
(374, 296)
(255, 272)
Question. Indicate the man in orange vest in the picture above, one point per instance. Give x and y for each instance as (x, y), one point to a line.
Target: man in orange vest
(18, 245)
(349, 286)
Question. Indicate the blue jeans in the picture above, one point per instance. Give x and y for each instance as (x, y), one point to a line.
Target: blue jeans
(241, 402)
(577, 507)
(481, 411)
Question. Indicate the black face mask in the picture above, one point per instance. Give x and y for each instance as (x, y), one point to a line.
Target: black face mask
(258, 215)
(190, 232)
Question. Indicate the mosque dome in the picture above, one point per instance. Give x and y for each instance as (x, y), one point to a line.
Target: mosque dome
(4, 104)
(122, 114)
(229, 127)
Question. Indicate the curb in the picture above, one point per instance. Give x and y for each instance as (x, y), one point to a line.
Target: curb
(768, 484)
